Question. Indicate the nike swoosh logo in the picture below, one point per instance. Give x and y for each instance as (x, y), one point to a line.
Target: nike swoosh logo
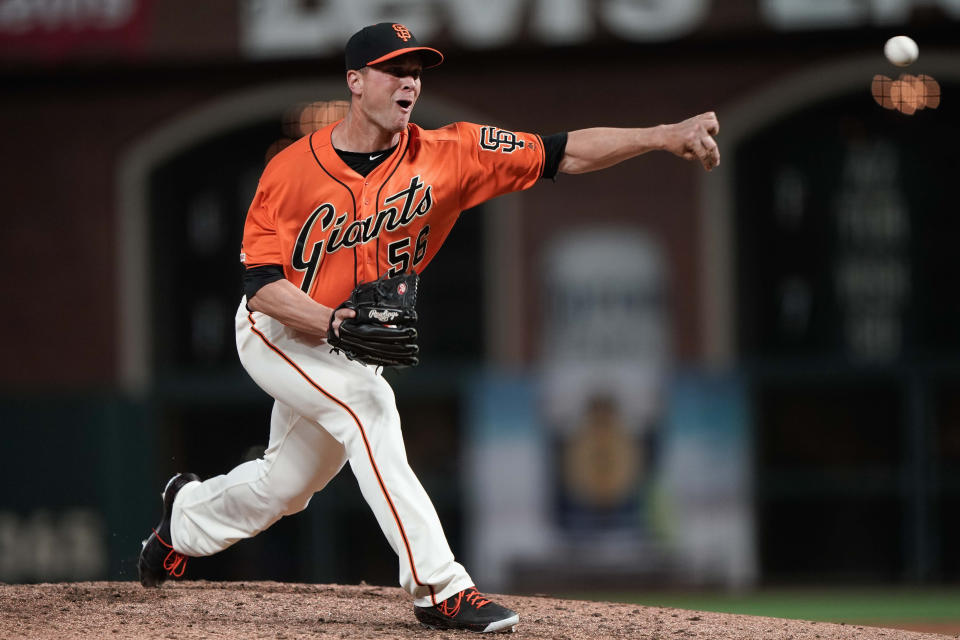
(376, 156)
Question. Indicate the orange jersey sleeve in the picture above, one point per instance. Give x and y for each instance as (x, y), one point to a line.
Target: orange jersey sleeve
(495, 161)
(261, 244)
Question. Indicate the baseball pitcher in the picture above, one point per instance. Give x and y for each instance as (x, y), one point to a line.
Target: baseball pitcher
(342, 222)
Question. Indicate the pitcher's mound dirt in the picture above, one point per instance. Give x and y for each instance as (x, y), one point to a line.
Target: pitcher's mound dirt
(188, 610)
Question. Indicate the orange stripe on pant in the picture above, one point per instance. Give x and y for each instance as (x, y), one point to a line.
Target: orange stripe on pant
(366, 444)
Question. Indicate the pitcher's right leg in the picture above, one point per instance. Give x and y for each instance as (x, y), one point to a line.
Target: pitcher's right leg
(300, 460)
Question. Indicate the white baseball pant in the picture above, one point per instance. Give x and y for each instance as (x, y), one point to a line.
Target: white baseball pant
(328, 410)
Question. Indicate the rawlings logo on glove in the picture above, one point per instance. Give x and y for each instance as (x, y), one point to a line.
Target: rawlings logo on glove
(382, 333)
(382, 315)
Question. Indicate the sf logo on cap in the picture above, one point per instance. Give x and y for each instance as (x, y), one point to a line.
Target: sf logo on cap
(402, 32)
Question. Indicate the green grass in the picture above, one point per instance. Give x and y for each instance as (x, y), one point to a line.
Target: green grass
(826, 605)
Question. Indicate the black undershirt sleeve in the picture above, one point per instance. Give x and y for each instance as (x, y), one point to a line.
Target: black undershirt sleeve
(554, 147)
(255, 278)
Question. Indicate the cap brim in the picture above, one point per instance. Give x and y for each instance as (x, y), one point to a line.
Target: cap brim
(429, 57)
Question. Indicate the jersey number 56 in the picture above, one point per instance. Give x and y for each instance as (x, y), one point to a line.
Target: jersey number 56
(398, 252)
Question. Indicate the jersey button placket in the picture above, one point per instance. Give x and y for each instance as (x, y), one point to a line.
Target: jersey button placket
(365, 262)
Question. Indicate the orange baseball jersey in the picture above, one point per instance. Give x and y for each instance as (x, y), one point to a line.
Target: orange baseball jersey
(330, 228)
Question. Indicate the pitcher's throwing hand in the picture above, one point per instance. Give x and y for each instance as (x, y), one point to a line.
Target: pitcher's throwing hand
(692, 139)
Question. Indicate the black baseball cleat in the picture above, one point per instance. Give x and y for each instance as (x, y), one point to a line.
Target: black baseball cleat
(468, 610)
(158, 560)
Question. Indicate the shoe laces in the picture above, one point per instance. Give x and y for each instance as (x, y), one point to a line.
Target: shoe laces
(451, 607)
(174, 563)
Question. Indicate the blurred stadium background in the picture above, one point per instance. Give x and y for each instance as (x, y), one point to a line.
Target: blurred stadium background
(734, 383)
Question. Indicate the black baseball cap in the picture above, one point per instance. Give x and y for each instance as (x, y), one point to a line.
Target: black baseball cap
(385, 40)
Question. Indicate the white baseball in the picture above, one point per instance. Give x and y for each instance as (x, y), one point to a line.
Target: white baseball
(901, 50)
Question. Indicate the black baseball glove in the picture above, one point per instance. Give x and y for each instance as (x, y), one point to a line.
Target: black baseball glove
(383, 332)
